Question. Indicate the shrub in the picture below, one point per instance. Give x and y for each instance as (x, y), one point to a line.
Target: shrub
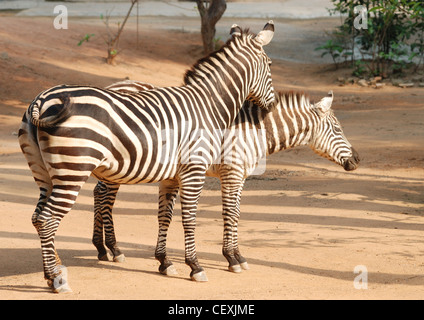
(392, 37)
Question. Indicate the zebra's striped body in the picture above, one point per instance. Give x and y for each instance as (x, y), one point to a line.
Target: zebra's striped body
(130, 86)
(70, 132)
(255, 133)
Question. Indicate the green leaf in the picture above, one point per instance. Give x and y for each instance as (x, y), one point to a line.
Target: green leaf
(85, 38)
(375, 8)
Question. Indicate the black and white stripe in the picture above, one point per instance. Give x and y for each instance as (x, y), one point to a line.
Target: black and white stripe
(255, 133)
(293, 121)
(170, 134)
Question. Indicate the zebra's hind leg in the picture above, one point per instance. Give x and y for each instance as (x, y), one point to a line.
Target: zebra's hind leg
(45, 191)
(59, 202)
(29, 144)
(231, 188)
(104, 199)
(168, 191)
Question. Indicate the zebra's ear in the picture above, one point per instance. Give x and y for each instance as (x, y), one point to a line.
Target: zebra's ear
(235, 31)
(324, 105)
(265, 36)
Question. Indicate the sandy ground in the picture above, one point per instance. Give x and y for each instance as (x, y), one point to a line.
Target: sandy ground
(305, 225)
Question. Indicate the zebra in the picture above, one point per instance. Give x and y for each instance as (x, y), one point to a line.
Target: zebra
(293, 121)
(70, 132)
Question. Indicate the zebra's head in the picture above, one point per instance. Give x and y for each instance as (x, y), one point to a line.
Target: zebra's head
(329, 140)
(261, 88)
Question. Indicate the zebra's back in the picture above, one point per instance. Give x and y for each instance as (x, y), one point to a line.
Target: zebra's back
(126, 138)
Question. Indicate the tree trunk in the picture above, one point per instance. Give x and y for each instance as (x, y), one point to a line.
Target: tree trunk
(111, 55)
(210, 13)
(112, 42)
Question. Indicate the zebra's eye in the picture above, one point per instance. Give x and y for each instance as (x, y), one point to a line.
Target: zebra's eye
(337, 129)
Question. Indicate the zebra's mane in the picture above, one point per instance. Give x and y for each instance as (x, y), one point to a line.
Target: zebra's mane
(289, 96)
(193, 75)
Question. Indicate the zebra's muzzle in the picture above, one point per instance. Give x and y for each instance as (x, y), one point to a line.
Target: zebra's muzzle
(352, 162)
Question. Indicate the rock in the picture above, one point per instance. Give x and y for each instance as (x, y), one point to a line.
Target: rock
(350, 80)
(4, 56)
(397, 82)
(379, 85)
(406, 85)
(421, 84)
(363, 83)
(341, 80)
(417, 78)
(378, 78)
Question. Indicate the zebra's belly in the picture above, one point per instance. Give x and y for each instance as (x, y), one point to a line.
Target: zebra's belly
(239, 168)
(114, 172)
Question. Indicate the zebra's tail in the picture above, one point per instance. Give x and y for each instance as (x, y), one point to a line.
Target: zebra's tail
(52, 120)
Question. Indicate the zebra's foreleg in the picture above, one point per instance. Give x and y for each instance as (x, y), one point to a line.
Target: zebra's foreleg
(242, 261)
(231, 188)
(104, 199)
(97, 239)
(168, 191)
(191, 187)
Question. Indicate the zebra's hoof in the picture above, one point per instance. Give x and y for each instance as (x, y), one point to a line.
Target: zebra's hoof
(60, 283)
(244, 266)
(103, 257)
(170, 271)
(120, 258)
(235, 268)
(199, 276)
